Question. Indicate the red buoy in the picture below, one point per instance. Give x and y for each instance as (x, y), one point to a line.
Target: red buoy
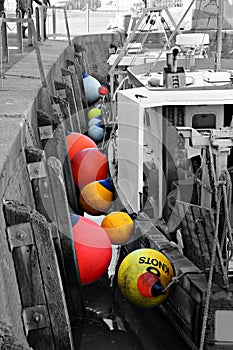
(103, 90)
(76, 142)
(93, 248)
(89, 165)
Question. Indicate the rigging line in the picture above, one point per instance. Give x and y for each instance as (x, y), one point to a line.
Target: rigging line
(138, 34)
(211, 273)
(1, 54)
(198, 13)
(143, 42)
(172, 35)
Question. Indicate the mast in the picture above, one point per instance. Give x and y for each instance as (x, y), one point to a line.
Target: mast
(219, 35)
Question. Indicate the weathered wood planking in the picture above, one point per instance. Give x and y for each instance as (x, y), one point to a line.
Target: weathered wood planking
(42, 298)
(76, 108)
(76, 68)
(63, 222)
(46, 205)
(62, 99)
(55, 145)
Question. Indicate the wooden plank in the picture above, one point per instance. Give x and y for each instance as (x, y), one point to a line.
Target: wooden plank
(79, 56)
(38, 279)
(194, 238)
(40, 186)
(43, 193)
(75, 67)
(182, 208)
(76, 308)
(62, 100)
(74, 99)
(56, 146)
(60, 141)
(200, 231)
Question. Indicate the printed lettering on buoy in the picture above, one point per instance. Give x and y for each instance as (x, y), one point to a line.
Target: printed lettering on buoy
(143, 276)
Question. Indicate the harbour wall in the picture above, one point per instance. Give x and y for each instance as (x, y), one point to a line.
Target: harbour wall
(21, 96)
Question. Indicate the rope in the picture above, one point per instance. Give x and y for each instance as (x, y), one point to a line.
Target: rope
(227, 190)
(213, 257)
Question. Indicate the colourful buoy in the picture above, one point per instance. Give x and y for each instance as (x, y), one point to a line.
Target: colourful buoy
(89, 165)
(96, 133)
(103, 90)
(93, 248)
(94, 113)
(91, 86)
(77, 142)
(143, 275)
(119, 227)
(96, 197)
(94, 121)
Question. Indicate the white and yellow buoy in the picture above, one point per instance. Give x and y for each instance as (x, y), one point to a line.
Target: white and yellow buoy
(143, 275)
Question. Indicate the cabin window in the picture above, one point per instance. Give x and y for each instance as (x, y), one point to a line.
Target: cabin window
(174, 115)
(204, 121)
(147, 118)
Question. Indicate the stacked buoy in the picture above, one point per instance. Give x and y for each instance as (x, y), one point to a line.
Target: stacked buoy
(77, 142)
(96, 197)
(91, 87)
(88, 165)
(143, 277)
(119, 227)
(93, 248)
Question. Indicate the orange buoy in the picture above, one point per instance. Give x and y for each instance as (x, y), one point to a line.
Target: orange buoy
(93, 248)
(89, 165)
(143, 275)
(119, 227)
(96, 197)
(77, 142)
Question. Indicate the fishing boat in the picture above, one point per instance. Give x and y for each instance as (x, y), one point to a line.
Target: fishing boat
(168, 136)
(170, 156)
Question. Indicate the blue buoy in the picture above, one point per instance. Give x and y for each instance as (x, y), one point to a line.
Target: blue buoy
(96, 133)
(91, 87)
(94, 121)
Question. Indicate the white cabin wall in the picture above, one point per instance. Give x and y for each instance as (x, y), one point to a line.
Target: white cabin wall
(130, 151)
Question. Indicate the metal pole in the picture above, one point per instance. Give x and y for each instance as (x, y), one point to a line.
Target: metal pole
(87, 16)
(219, 35)
(54, 22)
(67, 27)
(19, 31)
(5, 50)
(41, 13)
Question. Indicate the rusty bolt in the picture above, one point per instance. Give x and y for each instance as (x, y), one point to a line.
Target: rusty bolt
(37, 317)
(20, 235)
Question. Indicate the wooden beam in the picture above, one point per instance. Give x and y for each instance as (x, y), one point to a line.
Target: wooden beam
(42, 297)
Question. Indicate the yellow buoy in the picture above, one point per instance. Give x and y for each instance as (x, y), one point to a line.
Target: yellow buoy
(96, 197)
(143, 275)
(119, 227)
(94, 113)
